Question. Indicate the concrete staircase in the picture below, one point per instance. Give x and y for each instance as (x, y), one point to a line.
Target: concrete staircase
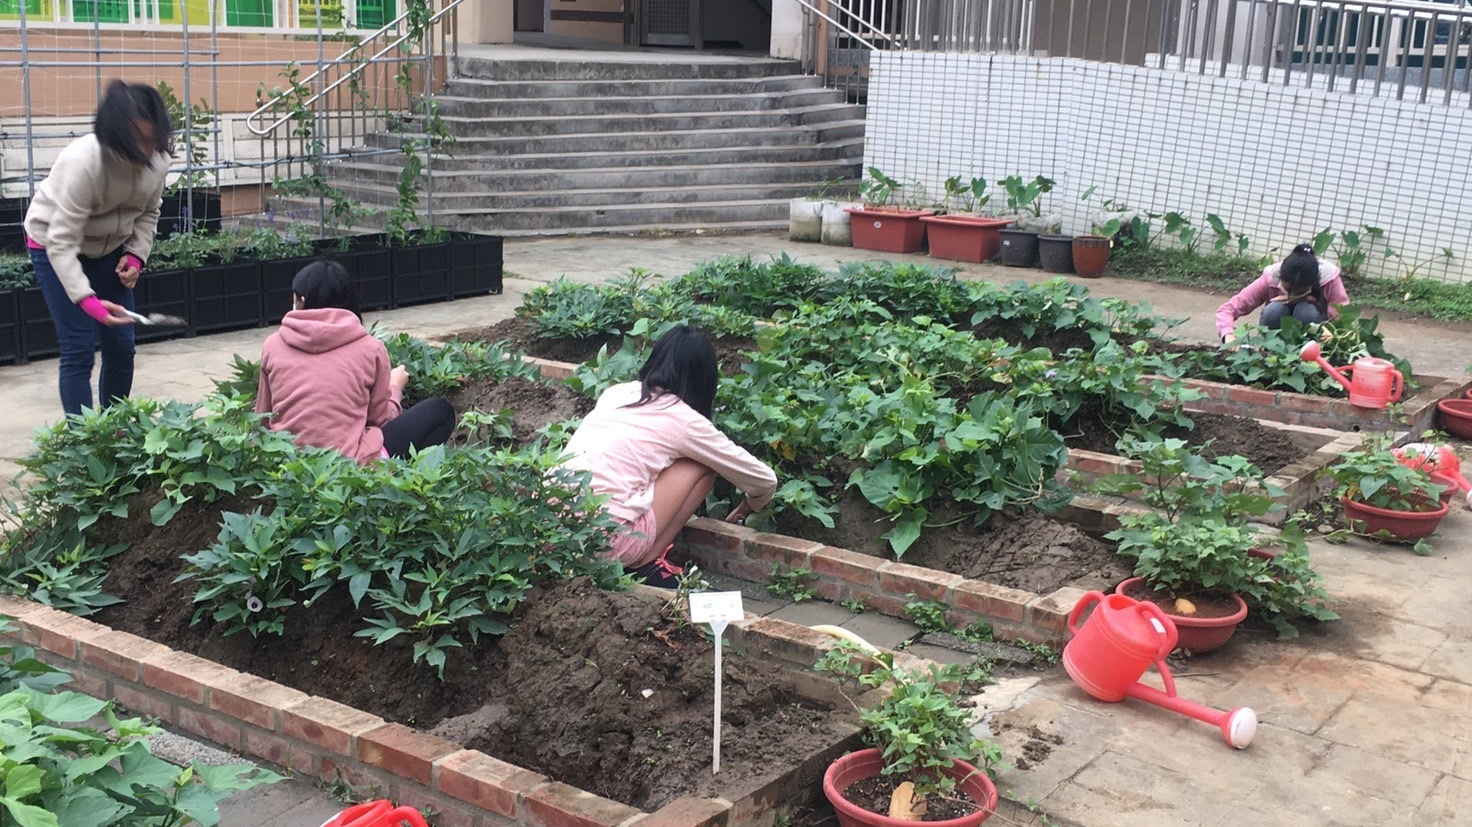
(549, 146)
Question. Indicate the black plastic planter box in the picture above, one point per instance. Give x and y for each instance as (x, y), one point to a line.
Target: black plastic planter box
(164, 291)
(421, 273)
(12, 219)
(226, 296)
(10, 350)
(475, 265)
(179, 210)
(368, 261)
(37, 332)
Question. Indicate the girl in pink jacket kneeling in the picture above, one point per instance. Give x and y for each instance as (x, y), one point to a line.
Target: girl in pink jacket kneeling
(1301, 286)
(326, 379)
(651, 447)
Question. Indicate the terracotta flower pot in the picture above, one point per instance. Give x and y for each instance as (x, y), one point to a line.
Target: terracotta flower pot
(1091, 254)
(887, 230)
(1402, 525)
(964, 237)
(1198, 634)
(1456, 416)
(1449, 484)
(866, 763)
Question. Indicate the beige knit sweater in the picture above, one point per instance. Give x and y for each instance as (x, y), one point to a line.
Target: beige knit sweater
(91, 203)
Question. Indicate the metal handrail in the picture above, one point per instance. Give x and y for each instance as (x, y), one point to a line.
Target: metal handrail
(359, 66)
(873, 30)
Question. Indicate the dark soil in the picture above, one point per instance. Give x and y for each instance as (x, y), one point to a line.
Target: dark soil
(1026, 550)
(562, 693)
(1207, 605)
(534, 405)
(874, 793)
(1213, 435)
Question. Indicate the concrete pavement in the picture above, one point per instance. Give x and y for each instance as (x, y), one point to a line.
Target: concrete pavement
(1365, 721)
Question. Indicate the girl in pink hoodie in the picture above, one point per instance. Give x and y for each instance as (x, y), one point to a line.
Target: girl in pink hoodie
(1300, 286)
(651, 447)
(327, 381)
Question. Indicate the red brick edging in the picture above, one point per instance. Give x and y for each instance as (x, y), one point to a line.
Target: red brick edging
(320, 738)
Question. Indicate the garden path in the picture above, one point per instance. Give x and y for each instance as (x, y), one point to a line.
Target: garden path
(1365, 721)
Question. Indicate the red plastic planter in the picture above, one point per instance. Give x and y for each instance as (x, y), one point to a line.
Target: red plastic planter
(866, 763)
(1198, 634)
(1403, 525)
(964, 237)
(888, 231)
(1456, 416)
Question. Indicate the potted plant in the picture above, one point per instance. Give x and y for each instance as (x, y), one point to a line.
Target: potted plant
(15, 275)
(805, 214)
(1091, 250)
(1020, 243)
(1383, 497)
(1194, 552)
(1055, 250)
(879, 224)
(924, 755)
(961, 234)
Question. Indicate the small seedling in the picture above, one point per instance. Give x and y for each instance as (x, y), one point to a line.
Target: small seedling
(795, 584)
(678, 608)
(978, 630)
(929, 615)
(855, 605)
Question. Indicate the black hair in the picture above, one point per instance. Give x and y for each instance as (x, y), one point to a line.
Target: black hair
(325, 283)
(683, 363)
(123, 106)
(1300, 272)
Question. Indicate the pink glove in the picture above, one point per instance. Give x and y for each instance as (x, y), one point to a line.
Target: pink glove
(133, 261)
(92, 306)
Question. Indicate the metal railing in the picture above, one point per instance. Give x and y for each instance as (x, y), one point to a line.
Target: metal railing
(332, 113)
(1405, 48)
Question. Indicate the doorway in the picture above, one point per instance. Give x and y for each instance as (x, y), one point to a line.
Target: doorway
(669, 23)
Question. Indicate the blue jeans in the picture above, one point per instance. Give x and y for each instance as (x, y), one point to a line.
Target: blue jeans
(1274, 312)
(79, 335)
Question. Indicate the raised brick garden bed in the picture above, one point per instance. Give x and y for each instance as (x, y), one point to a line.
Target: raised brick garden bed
(323, 739)
(1417, 413)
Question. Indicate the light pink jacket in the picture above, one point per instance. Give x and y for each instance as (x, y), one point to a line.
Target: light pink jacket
(626, 448)
(1267, 287)
(326, 381)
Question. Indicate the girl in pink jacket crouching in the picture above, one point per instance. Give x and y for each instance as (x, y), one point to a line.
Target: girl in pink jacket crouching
(1300, 286)
(327, 380)
(651, 447)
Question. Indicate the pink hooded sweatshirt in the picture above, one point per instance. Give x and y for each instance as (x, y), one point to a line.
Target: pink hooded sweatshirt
(1268, 287)
(326, 380)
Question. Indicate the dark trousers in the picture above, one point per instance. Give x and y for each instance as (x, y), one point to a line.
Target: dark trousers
(1273, 314)
(78, 336)
(427, 423)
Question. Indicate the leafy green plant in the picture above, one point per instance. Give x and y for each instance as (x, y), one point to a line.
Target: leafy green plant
(966, 197)
(878, 189)
(1373, 475)
(1023, 197)
(795, 584)
(15, 271)
(1351, 248)
(919, 728)
(929, 615)
(1223, 238)
(191, 126)
(855, 605)
(60, 769)
(183, 250)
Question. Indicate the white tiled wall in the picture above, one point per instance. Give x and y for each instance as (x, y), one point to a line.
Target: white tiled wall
(1278, 163)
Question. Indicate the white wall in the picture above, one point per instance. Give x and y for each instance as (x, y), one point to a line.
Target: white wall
(1276, 163)
(786, 29)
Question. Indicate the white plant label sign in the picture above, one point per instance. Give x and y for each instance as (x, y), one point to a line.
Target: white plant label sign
(718, 609)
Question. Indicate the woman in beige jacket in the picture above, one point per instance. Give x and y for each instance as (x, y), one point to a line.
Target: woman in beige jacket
(90, 228)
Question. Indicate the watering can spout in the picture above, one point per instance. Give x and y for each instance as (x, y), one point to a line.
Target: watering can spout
(1311, 353)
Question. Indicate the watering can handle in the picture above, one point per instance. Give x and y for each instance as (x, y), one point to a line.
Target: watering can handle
(1168, 629)
(1397, 385)
(1083, 603)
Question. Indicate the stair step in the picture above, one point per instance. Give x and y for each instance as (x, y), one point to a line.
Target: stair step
(447, 182)
(639, 87)
(383, 195)
(575, 68)
(660, 122)
(678, 139)
(679, 104)
(847, 148)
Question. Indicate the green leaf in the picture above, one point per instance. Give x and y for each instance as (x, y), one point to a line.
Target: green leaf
(29, 815)
(23, 781)
(86, 806)
(68, 707)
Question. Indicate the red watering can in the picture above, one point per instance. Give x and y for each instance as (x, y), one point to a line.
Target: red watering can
(1109, 654)
(1375, 382)
(380, 813)
(1440, 461)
